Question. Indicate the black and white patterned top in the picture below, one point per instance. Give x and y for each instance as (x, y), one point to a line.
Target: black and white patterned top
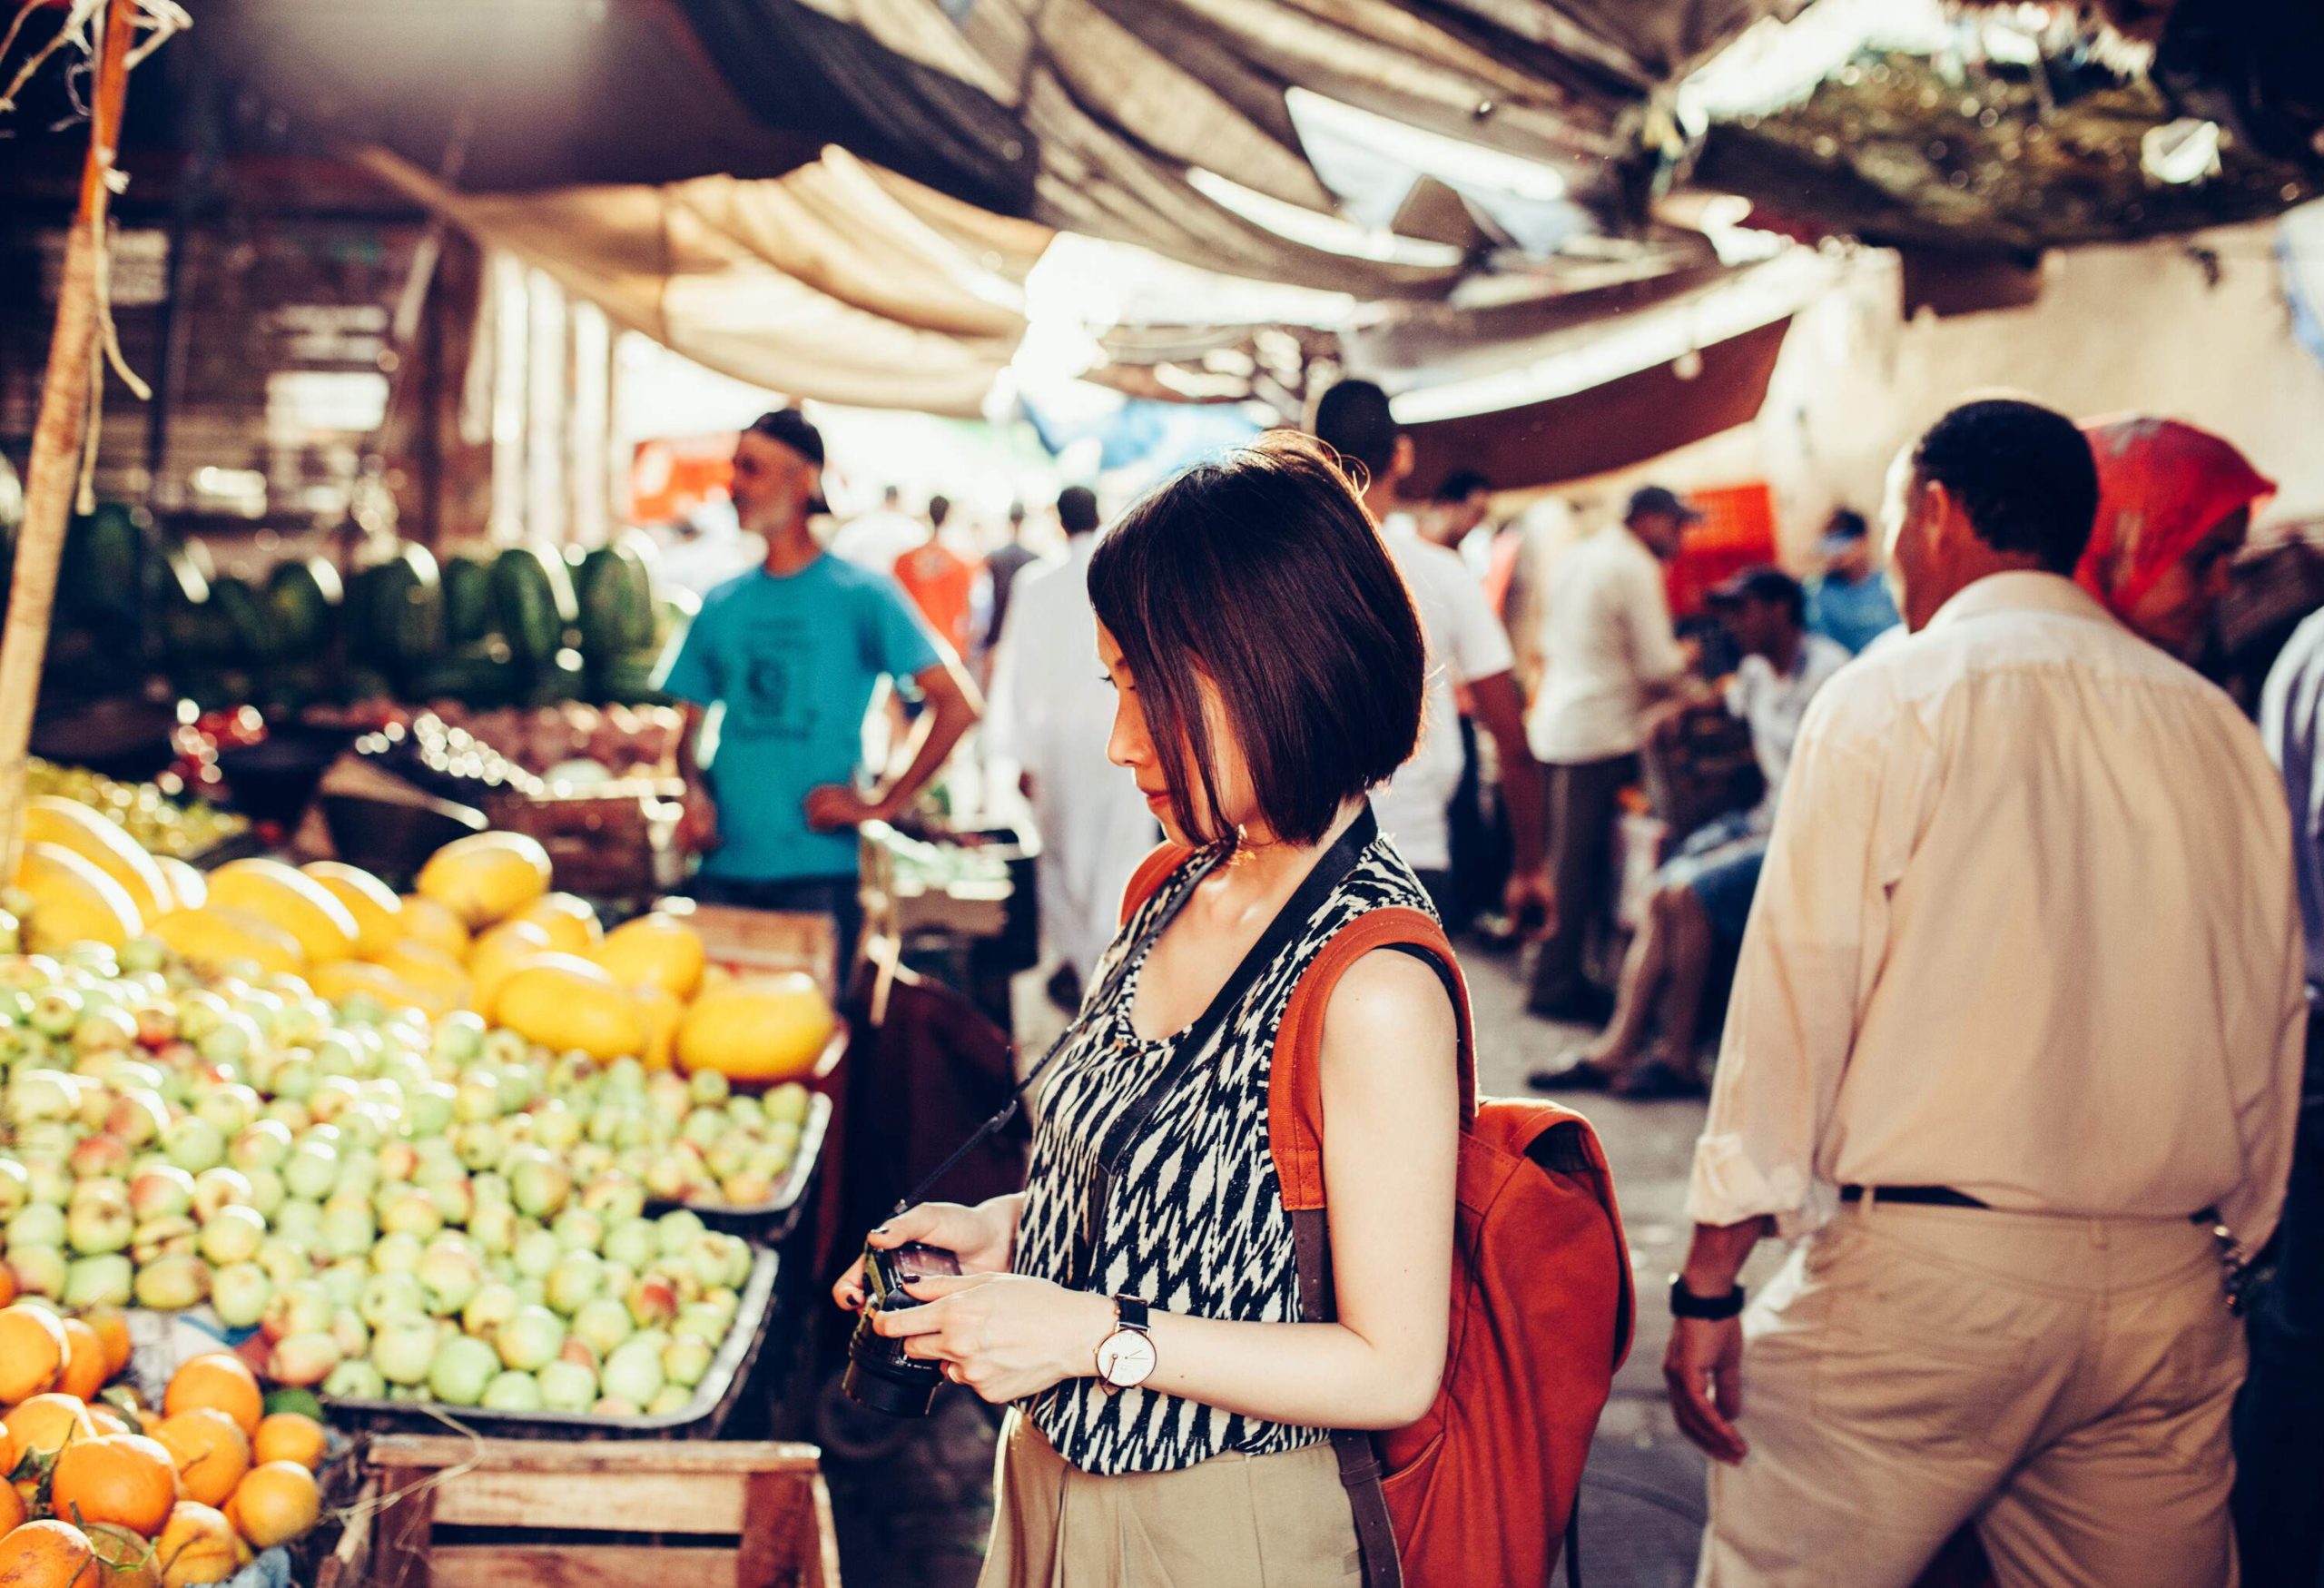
(1195, 1223)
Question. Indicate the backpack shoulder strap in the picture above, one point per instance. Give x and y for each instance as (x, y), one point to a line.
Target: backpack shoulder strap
(1295, 1141)
(1296, 1089)
(1154, 870)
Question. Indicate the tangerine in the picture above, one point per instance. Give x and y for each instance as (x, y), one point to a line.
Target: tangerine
(31, 1352)
(209, 1450)
(280, 1501)
(47, 1554)
(219, 1379)
(7, 1285)
(125, 1560)
(46, 1423)
(291, 1436)
(113, 1328)
(125, 1478)
(196, 1546)
(85, 1371)
(109, 1421)
(11, 1508)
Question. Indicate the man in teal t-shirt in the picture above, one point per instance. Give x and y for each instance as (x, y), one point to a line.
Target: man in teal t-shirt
(777, 672)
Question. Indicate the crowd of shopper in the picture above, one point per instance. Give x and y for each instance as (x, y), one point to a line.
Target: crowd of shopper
(2014, 1053)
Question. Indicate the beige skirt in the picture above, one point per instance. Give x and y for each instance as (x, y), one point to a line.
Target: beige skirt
(1231, 1522)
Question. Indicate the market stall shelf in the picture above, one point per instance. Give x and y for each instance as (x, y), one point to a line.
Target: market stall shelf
(470, 1514)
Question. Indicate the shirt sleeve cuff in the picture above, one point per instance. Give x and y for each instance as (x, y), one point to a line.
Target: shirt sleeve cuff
(1728, 1187)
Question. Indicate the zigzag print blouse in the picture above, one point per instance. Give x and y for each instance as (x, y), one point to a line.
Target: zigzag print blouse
(1196, 1222)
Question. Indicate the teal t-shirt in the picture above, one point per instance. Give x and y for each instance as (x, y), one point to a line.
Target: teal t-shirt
(787, 668)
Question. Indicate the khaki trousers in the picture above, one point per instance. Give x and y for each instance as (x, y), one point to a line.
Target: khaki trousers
(2062, 1383)
(1231, 1522)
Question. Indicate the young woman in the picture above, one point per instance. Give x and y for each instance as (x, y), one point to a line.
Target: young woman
(1169, 1422)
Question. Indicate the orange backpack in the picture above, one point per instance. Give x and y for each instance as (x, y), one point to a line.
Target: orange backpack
(1480, 1491)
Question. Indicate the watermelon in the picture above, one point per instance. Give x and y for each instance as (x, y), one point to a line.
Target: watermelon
(560, 678)
(245, 612)
(533, 592)
(468, 599)
(102, 569)
(194, 629)
(482, 675)
(396, 615)
(301, 598)
(616, 592)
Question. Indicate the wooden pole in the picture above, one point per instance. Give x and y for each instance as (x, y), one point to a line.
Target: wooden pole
(58, 437)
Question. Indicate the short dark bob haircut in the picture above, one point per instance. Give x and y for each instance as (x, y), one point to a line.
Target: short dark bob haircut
(1261, 574)
(2023, 475)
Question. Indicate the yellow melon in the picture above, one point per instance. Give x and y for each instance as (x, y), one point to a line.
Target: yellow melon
(292, 901)
(757, 1028)
(571, 923)
(70, 825)
(658, 950)
(566, 1003)
(377, 912)
(486, 876)
(665, 1012)
(427, 970)
(497, 953)
(216, 938)
(73, 901)
(431, 922)
(189, 889)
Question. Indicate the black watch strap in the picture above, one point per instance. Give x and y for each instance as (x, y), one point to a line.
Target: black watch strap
(1131, 1313)
(1685, 1303)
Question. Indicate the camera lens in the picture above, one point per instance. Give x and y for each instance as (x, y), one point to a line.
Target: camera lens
(880, 1378)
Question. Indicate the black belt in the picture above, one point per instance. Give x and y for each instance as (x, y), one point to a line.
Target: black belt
(1912, 1195)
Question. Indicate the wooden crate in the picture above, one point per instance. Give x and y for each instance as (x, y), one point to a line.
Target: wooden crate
(751, 1515)
(764, 940)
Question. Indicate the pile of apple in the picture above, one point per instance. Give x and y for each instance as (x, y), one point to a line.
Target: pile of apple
(424, 1208)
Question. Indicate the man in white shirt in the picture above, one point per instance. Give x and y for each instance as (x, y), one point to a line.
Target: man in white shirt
(1051, 713)
(1703, 897)
(2018, 1023)
(1608, 655)
(875, 539)
(1466, 648)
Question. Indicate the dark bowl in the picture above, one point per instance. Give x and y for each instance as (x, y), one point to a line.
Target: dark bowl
(392, 839)
(272, 780)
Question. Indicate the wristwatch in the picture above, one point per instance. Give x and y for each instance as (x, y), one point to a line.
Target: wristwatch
(1685, 1303)
(1126, 1357)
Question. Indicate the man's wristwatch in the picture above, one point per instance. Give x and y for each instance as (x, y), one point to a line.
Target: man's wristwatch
(1126, 1357)
(1685, 1303)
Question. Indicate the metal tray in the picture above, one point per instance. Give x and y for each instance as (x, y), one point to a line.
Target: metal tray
(702, 1417)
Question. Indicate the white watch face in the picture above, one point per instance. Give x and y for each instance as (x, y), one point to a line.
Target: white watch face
(1124, 1359)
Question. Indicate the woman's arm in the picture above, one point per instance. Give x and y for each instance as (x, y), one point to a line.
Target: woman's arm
(1389, 1140)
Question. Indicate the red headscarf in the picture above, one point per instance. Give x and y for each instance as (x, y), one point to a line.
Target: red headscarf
(2162, 488)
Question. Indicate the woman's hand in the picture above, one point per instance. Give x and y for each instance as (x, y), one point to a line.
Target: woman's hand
(984, 1238)
(1005, 1336)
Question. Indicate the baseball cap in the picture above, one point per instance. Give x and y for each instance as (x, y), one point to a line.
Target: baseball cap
(1759, 583)
(1655, 498)
(1844, 530)
(791, 427)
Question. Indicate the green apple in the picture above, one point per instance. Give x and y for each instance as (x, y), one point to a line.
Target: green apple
(451, 1271)
(354, 1381)
(218, 1189)
(233, 1236)
(311, 1170)
(568, 1386)
(511, 1391)
(678, 1229)
(634, 1372)
(171, 1283)
(494, 1304)
(603, 1323)
(537, 1251)
(161, 1191)
(104, 1280)
(303, 1361)
(240, 1292)
(303, 1307)
(580, 1229)
(463, 1367)
(403, 1348)
(389, 1297)
(99, 1220)
(530, 1339)
(675, 1398)
(576, 1279)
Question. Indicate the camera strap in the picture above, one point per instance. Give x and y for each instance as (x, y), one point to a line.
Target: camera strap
(1189, 1045)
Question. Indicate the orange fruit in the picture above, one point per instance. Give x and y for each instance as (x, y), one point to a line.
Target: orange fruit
(126, 1478)
(7, 1285)
(12, 1509)
(31, 1352)
(211, 1451)
(109, 1421)
(196, 1546)
(46, 1423)
(113, 1328)
(85, 1361)
(219, 1380)
(47, 1554)
(125, 1560)
(291, 1436)
(279, 1502)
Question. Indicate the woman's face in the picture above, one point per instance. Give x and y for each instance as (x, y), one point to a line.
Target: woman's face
(1132, 747)
(2174, 612)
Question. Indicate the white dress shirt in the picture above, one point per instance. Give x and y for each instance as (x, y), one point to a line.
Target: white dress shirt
(2026, 930)
(1606, 647)
(1465, 642)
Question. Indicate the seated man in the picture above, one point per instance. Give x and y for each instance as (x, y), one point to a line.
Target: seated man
(1703, 897)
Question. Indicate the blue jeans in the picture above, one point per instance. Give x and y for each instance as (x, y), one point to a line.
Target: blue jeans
(2280, 1416)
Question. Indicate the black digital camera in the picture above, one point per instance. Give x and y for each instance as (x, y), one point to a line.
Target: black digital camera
(879, 1376)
